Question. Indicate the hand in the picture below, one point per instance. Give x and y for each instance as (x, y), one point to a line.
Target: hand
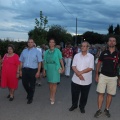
(20, 73)
(62, 71)
(17, 75)
(81, 77)
(119, 82)
(37, 75)
(78, 74)
(96, 78)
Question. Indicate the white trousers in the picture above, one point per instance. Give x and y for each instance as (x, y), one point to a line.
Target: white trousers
(67, 66)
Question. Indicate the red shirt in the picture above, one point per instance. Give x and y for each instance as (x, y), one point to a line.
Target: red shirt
(67, 52)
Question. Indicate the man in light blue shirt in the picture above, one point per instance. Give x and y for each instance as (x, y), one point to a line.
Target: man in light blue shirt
(30, 66)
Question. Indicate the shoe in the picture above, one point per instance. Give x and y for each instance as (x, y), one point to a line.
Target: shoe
(98, 114)
(11, 98)
(39, 84)
(107, 113)
(82, 110)
(8, 96)
(29, 101)
(72, 108)
(52, 102)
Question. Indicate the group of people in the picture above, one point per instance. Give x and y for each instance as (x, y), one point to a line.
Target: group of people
(28, 67)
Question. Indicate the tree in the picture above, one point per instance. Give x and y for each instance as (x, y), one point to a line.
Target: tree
(117, 30)
(110, 29)
(39, 33)
(93, 38)
(59, 33)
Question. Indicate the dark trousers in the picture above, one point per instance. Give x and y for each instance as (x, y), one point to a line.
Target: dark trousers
(28, 81)
(76, 90)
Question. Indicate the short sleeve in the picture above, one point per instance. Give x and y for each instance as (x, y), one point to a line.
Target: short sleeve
(101, 57)
(71, 52)
(74, 63)
(59, 54)
(17, 62)
(92, 62)
(39, 56)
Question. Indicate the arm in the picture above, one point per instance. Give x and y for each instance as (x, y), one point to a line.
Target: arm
(75, 70)
(61, 62)
(77, 73)
(97, 70)
(44, 71)
(119, 80)
(38, 71)
(18, 72)
(86, 70)
(20, 69)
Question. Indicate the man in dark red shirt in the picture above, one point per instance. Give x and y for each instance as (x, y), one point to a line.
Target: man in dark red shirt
(107, 80)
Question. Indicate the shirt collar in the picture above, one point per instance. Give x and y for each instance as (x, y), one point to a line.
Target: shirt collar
(30, 48)
(84, 55)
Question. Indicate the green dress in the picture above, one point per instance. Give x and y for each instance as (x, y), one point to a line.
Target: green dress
(52, 65)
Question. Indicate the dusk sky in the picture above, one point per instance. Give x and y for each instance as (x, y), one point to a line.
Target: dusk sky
(17, 17)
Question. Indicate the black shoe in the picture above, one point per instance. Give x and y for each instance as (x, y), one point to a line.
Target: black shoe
(107, 113)
(29, 101)
(82, 110)
(72, 108)
(39, 84)
(11, 98)
(8, 96)
(98, 114)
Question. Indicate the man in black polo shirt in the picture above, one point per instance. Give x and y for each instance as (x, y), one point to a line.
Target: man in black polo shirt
(107, 80)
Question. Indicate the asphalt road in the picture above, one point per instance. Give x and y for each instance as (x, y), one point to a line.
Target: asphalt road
(41, 109)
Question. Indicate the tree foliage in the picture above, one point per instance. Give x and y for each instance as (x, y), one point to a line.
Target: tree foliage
(19, 46)
(39, 33)
(59, 33)
(110, 29)
(93, 38)
(115, 31)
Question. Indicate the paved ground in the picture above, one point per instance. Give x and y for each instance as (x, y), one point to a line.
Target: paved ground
(41, 109)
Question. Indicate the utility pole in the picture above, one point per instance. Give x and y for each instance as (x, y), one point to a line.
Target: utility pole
(76, 33)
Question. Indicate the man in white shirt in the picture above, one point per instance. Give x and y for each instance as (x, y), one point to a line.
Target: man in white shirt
(83, 64)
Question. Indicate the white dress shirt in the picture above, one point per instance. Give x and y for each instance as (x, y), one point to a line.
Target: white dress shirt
(82, 62)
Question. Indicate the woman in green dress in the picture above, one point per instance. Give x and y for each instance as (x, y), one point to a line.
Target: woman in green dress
(53, 66)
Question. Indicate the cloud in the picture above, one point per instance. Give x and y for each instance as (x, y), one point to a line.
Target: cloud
(18, 16)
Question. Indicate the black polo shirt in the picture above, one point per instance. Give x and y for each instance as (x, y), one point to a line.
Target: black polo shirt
(110, 62)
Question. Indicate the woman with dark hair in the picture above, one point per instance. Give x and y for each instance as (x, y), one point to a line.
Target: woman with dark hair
(53, 66)
(10, 71)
